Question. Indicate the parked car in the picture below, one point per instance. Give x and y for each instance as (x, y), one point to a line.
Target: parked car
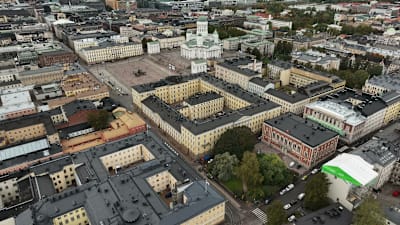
(289, 187)
(305, 177)
(291, 164)
(287, 206)
(283, 191)
(291, 218)
(301, 196)
(314, 171)
(267, 201)
(395, 193)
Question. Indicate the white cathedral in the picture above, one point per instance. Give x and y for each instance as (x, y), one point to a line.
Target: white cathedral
(201, 45)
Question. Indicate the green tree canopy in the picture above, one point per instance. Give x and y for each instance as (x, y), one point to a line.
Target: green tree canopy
(226, 31)
(249, 171)
(353, 79)
(282, 50)
(223, 166)
(256, 53)
(362, 29)
(235, 141)
(369, 213)
(273, 169)
(98, 119)
(276, 213)
(317, 192)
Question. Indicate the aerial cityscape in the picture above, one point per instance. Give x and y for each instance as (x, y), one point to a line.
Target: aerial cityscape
(199, 112)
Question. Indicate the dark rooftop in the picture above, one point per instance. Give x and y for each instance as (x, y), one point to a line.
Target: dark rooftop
(127, 197)
(376, 151)
(282, 64)
(302, 129)
(77, 106)
(292, 98)
(370, 104)
(259, 81)
(202, 97)
(24, 121)
(234, 64)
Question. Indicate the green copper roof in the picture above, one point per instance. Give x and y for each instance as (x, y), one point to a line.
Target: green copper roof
(339, 173)
(327, 125)
(202, 19)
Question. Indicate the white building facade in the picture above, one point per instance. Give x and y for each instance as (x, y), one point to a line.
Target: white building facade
(202, 45)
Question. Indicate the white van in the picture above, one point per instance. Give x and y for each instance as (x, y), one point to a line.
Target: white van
(301, 196)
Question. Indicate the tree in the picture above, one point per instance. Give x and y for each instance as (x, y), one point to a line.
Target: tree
(353, 79)
(256, 53)
(276, 213)
(249, 171)
(374, 69)
(223, 166)
(282, 50)
(144, 43)
(317, 192)
(273, 169)
(369, 213)
(98, 119)
(235, 141)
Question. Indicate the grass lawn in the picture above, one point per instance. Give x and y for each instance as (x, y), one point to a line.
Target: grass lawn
(234, 185)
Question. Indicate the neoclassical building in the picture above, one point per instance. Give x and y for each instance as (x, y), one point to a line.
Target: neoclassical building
(202, 45)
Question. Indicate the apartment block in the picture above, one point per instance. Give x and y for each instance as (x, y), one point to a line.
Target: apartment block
(392, 101)
(233, 43)
(169, 40)
(234, 72)
(139, 168)
(293, 102)
(79, 84)
(380, 154)
(109, 52)
(348, 113)
(316, 59)
(259, 86)
(14, 105)
(158, 102)
(202, 105)
(27, 128)
(301, 139)
(378, 85)
(43, 75)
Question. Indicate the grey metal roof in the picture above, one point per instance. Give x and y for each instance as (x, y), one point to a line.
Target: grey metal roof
(126, 198)
(376, 151)
(391, 97)
(302, 129)
(15, 151)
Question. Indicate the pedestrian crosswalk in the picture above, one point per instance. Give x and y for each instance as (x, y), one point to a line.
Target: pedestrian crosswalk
(260, 215)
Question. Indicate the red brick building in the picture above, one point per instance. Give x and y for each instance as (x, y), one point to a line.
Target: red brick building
(303, 140)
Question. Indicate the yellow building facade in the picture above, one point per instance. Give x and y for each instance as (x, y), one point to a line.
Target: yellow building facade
(199, 143)
(75, 217)
(125, 157)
